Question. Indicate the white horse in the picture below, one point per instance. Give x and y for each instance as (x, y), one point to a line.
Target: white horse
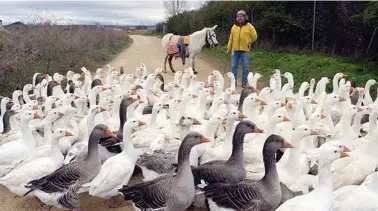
(198, 39)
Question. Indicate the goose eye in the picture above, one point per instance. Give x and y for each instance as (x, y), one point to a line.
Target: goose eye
(335, 151)
(306, 129)
(334, 97)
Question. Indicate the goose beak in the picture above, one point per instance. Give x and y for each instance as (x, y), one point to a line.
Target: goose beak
(35, 107)
(346, 149)
(68, 134)
(177, 86)
(343, 154)
(359, 109)
(133, 91)
(233, 92)
(204, 140)
(313, 102)
(257, 130)
(36, 116)
(134, 76)
(255, 90)
(103, 88)
(46, 76)
(102, 109)
(196, 122)
(322, 116)
(341, 99)
(171, 98)
(194, 96)
(285, 119)
(141, 101)
(343, 75)
(288, 145)
(314, 133)
(224, 122)
(242, 116)
(109, 133)
(76, 97)
(211, 85)
(134, 99)
(289, 105)
(212, 92)
(140, 123)
(263, 103)
(60, 114)
(283, 104)
(166, 106)
(353, 91)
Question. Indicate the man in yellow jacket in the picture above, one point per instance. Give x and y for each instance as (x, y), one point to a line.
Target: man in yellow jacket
(242, 36)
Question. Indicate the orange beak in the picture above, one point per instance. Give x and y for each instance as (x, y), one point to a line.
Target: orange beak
(323, 116)
(140, 123)
(289, 105)
(285, 119)
(102, 109)
(204, 139)
(341, 99)
(241, 116)
(288, 145)
(194, 96)
(263, 103)
(134, 99)
(68, 134)
(343, 75)
(212, 92)
(359, 109)
(233, 92)
(196, 122)
(346, 149)
(313, 102)
(257, 130)
(109, 133)
(313, 133)
(36, 116)
(177, 86)
(343, 154)
(76, 97)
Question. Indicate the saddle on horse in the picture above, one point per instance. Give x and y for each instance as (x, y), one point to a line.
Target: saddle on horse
(178, 46)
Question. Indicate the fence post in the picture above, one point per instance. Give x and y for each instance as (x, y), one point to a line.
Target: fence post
(313, 27)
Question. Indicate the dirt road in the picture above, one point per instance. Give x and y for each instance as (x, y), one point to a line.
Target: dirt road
(144, 49)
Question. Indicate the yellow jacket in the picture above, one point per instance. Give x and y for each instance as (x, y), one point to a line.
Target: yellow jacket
(242, 37)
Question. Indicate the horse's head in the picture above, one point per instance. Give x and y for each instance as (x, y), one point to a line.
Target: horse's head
(211, 37)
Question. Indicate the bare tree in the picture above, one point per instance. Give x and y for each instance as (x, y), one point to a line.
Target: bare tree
(174, 7)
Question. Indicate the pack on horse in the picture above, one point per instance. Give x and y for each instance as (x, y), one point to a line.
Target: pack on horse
(187, 46)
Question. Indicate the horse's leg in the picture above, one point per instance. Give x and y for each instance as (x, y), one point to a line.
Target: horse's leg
(165, 63)
(192, 61)
(170, 63)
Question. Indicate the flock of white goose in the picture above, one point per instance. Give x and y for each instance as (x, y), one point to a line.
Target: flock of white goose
(197, 144)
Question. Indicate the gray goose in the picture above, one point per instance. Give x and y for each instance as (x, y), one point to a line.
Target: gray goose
(171, 193)
(233, 169)
(263, 195)
(59, 189)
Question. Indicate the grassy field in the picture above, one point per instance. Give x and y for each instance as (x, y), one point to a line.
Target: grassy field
(303, 66)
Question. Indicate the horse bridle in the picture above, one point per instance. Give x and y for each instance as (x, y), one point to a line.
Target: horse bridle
(210, 37)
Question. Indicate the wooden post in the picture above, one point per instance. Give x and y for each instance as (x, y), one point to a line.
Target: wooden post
(313, 27)
(371, 40)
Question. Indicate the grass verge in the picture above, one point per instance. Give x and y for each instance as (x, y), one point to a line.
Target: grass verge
(303, 66)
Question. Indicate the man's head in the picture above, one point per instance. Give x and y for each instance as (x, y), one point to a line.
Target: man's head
(241, 17)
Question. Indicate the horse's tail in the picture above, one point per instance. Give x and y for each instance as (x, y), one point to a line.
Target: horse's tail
(165, 41)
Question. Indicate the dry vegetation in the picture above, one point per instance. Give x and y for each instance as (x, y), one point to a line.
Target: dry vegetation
(47, 47)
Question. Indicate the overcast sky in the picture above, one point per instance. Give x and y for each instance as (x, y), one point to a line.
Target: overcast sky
(87, 12)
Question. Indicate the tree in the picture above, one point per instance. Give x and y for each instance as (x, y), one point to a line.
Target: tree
(174, 7)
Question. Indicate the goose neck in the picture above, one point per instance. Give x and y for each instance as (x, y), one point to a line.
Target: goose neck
(27, 136)
(269, 158)
(128, 147)
(48, 133)
(229, 131)
(184, 168)
(237, 147)
(93, 152)
(294, 156)
(335, 84)
(92, 98)
(325, 175)
(26, 97)
(6, 123)
(153, 117)
(184, 130)
(15, 100)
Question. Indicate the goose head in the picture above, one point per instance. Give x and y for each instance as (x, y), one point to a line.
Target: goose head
(308, 100)
(288, 75)
(206, 92)
(312, 83)
(252, 101)
(50, 100)
(17, 93)
(273, 106)
(28, 87)
(334, 98)
(98, 89)
(27, 116)
(215, 120)
(219, 101)
(303, 131)
(157, 107)
(235, 115)
(371, 83)
(58, 77)
(278, 118)
(60, 133)
(304, 86)
(338, 76)
(70, 75)
(186, 121)
(99, 71)
(5, 101)
(164, 99)
(16, 107)
(275, 142)
(217, 87)
(188, 96)
(52, 116)
(173, 104)
(170, 86)
(231, 76)
(329, 154)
